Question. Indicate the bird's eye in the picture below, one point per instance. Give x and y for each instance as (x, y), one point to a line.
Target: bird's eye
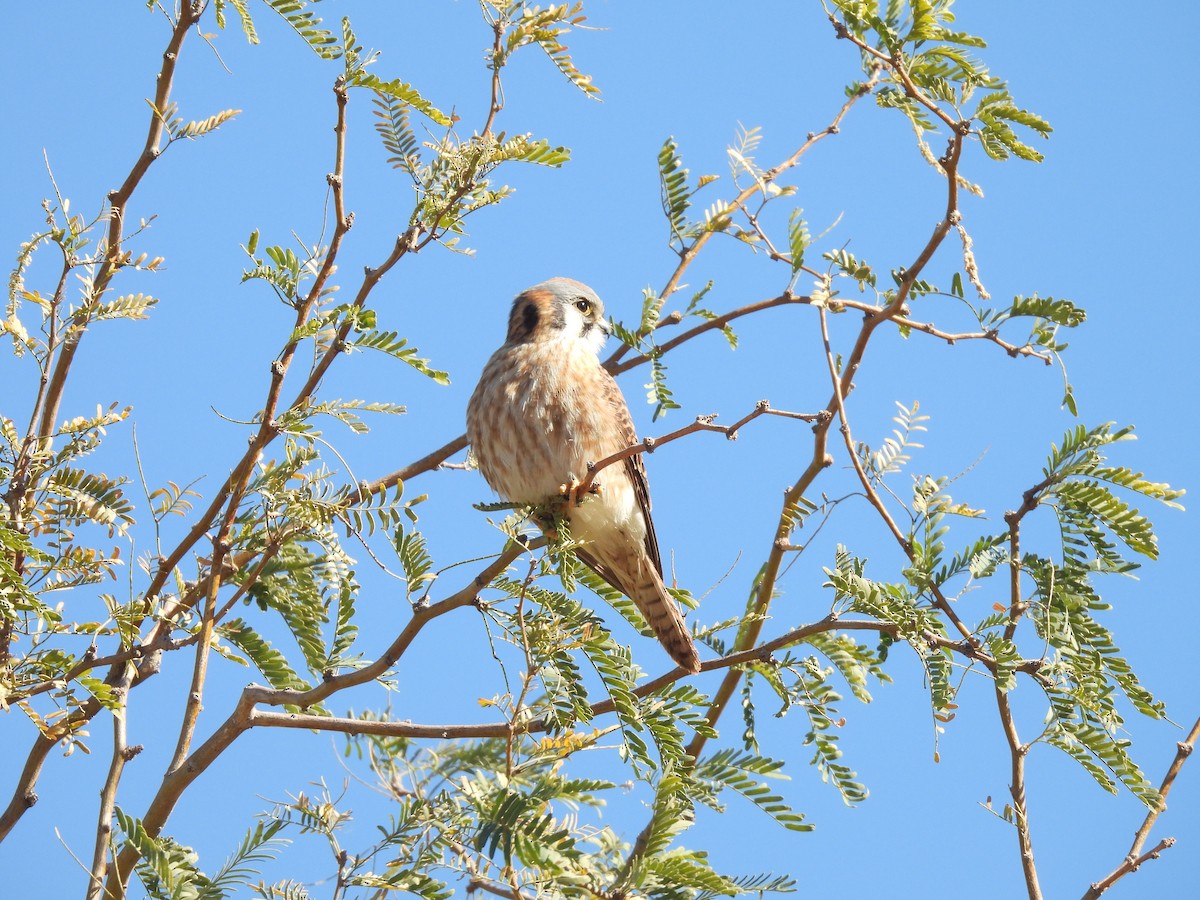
(583, 305)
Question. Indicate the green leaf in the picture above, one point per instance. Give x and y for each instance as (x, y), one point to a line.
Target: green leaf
(305, 24)
(798, 238)
(259, 845)
(270, 662)
(849, 265)
(676, 195)
(1061, 312)
(166, 868)
(657, 391)
(87, 497)
(734, 769)
(130, 306)
(396, 133)
(243, 15)
(192, 130)
(545, 27)
(393, 345)
(688, 869)
(398, 90)
(414, 557)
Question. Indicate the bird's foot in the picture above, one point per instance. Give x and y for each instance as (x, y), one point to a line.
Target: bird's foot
(575, 494)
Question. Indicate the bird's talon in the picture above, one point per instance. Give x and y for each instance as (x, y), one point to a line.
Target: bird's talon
(570, 490)
(573, 491)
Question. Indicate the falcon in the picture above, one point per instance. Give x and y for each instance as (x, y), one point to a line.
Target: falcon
(543, 409)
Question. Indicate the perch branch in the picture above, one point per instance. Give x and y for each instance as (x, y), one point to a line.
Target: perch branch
(702, 423)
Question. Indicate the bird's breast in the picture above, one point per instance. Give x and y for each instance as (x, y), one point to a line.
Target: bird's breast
(538, 417)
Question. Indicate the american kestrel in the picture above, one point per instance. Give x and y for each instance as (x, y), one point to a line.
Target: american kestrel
(544, 408)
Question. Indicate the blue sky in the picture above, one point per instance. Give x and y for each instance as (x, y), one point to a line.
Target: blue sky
(1106, 220)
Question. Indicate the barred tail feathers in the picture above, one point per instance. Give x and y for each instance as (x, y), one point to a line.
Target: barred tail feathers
(660, 610)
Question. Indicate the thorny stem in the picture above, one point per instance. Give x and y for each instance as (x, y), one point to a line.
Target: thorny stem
(702, 423)
(689, 253)
(121, 754)
(1016, 604)
(1136, 857)
(1029, 502)
(497, 99)
(1018, 752)
(50, 399)
(178, 779)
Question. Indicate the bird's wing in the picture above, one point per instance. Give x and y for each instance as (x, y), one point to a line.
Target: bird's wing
(635, 468)
(600, 569)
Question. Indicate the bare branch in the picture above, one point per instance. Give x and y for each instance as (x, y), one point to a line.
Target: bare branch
(1017, 754)
(121, 754)
(1134, 859)
(702, 423)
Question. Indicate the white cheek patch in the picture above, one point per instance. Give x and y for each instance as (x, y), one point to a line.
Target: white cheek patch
(595, 338)
(577, 328)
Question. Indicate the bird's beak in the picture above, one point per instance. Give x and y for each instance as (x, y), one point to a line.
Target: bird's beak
(603, 325)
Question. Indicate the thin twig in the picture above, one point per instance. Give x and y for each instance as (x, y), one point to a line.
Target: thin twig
(765, 586)
(688, 254)
(1018, 753)
(1136, 857)
(762, 653)
(702, 423)
(24, 793)
(121, 754)
(426, 463)
(114, 257)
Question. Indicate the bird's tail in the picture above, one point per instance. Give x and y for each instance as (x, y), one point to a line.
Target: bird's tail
(642, 583)
(661, 611)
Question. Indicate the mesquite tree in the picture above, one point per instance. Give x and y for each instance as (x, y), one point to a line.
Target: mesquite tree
(289, 560)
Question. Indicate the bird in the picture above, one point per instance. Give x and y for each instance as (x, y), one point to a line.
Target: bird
(543, 410)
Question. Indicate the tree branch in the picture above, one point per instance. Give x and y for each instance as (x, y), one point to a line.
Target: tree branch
(1017, 753)
(702, 423)
(180, 777)
(189, 13)
(689, 253)
(24, 794)
(768, 575)
(1134, 859)
(121, 754)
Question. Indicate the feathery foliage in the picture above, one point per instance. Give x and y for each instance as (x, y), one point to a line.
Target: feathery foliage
(101, 588)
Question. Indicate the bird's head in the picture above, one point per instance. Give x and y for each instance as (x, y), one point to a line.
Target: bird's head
(560, 309)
